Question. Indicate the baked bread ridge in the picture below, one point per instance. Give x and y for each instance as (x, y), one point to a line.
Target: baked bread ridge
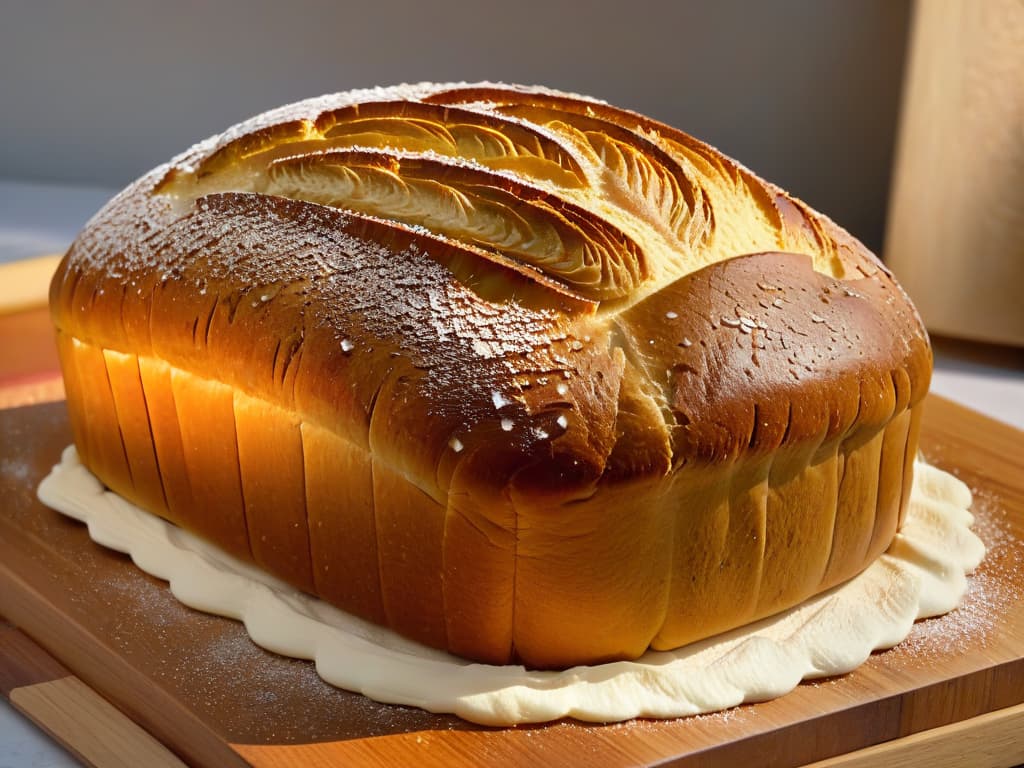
(442, 432)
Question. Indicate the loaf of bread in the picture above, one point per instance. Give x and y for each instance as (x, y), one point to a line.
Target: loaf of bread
(518, 374)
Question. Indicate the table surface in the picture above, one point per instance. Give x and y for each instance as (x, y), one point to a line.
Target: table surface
(37, 219)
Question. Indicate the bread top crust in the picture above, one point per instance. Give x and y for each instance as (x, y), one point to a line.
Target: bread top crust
(506, 292)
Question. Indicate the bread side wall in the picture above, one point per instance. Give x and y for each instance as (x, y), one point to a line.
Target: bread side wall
(706, 550)
(291, 496)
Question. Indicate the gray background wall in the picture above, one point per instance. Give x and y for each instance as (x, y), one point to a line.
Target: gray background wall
(805, 92)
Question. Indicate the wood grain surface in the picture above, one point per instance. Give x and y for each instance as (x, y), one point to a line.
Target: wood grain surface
(957, 204)
(201, 687)
(71, 712)
(991, 740)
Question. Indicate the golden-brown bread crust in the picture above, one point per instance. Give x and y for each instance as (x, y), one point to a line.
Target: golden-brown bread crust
(516, 373)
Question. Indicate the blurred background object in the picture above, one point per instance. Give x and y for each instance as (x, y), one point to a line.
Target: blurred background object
(956, 231)
(805, 92)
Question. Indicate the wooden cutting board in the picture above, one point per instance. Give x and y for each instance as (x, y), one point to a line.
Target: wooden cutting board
(197, 683)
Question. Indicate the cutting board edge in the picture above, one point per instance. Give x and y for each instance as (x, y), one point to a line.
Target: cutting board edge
(82, 653)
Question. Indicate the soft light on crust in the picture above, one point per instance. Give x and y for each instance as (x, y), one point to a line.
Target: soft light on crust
(517, 373)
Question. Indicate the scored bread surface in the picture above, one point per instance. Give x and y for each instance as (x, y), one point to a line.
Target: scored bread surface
(516, 373)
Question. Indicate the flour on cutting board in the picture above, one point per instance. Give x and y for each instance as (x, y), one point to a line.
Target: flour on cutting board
(922, 574)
